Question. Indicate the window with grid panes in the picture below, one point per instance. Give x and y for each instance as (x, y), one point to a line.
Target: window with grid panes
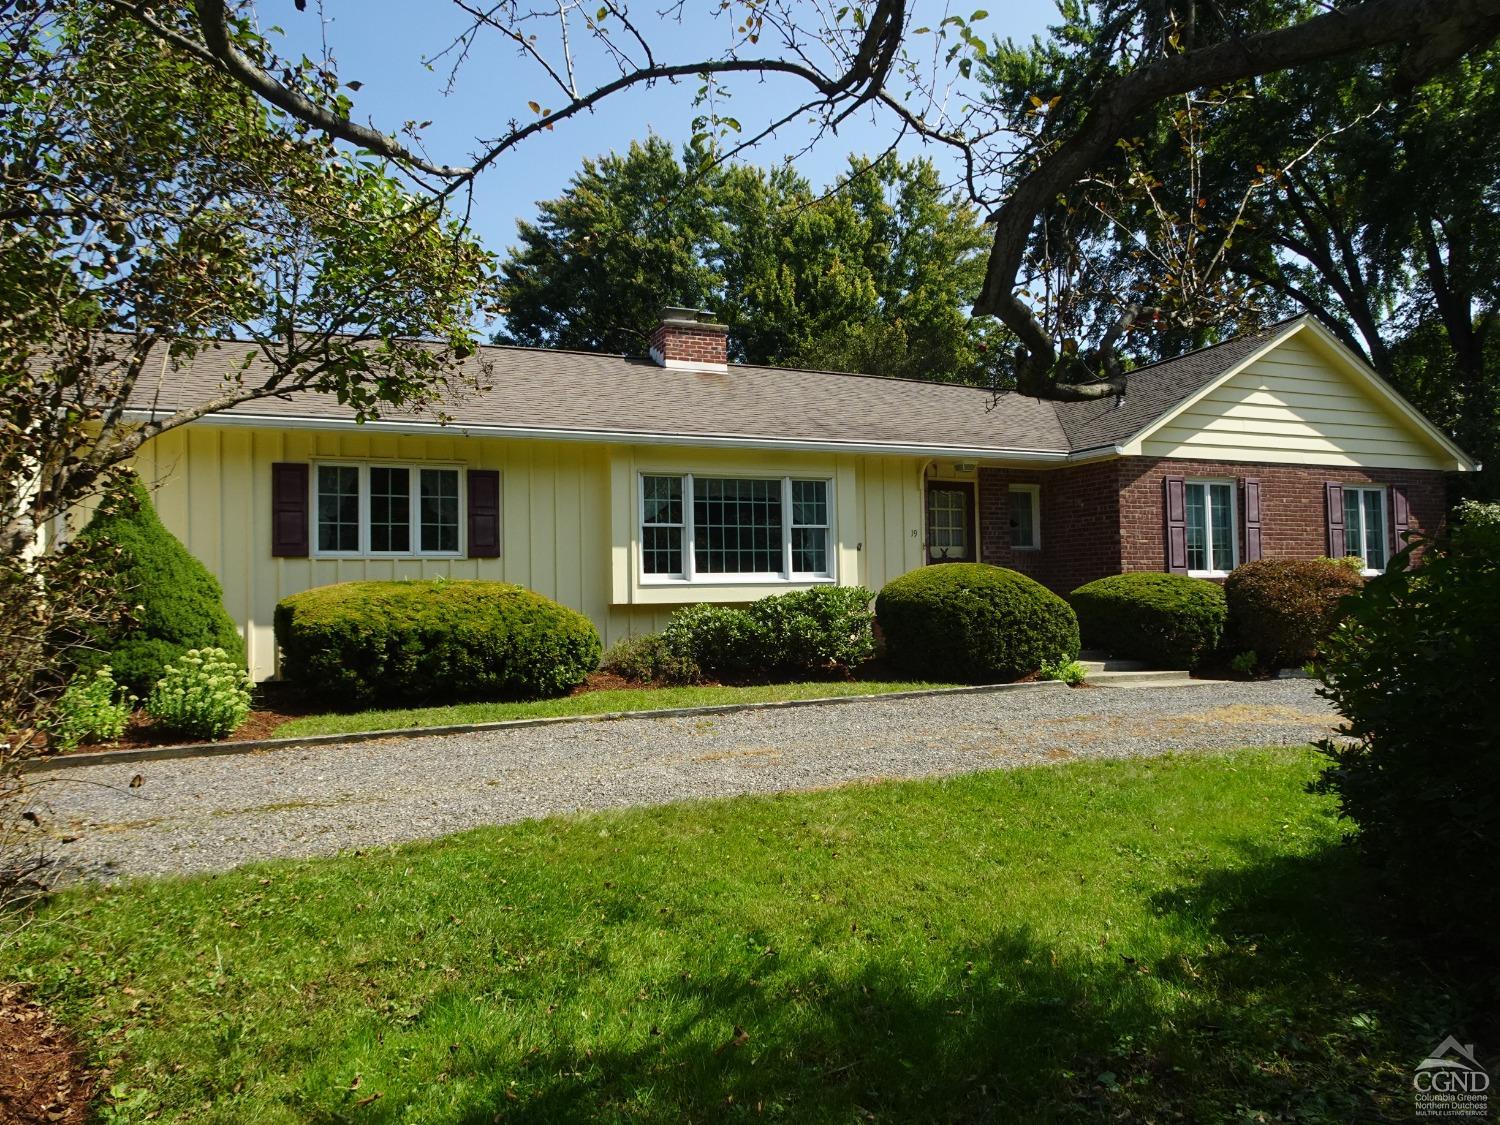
(1210, 527)
(706, 528)
(1364, 525)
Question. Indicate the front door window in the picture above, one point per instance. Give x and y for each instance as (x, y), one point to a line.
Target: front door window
(949, 535)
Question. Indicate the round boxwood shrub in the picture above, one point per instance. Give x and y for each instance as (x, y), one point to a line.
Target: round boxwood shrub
(181, 605)
(973, 622)
(1283, 609)
(358, 642)
(1159, 618)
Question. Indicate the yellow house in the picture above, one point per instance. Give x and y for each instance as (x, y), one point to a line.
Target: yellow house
(626, 488)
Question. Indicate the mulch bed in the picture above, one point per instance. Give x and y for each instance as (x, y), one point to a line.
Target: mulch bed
(41, 1076)
(277, 703)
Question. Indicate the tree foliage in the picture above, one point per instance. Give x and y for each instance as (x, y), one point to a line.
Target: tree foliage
(873, 275)
(1022, 160)
(1413, 670)
(1335, 190)
(148, 206)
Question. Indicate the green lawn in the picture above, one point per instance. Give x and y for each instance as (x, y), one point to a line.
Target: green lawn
(589, 703)
(1167, 939)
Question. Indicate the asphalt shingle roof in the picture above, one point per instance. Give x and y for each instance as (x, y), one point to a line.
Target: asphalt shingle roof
(580, 392)
(1154, 390)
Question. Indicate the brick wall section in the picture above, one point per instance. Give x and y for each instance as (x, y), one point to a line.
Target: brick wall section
(707, 344)
(1293, 502)
(1107, 517)
(1080, 523)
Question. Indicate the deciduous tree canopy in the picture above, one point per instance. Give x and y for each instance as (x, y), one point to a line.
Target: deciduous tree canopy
(874, 275)
(1019, 159)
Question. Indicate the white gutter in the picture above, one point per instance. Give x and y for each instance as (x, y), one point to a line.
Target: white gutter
(616, 437)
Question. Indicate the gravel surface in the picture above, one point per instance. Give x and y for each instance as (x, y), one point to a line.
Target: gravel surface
(210, 814)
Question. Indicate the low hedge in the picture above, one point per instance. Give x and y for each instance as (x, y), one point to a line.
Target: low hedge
(359, 642)
(974, 622)
(1159, 618)
(804, 632)
(1284, 609)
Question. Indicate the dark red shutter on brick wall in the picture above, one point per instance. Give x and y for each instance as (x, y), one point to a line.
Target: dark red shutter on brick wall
(1400, 517)
(1335, 492)
(289, 510)
(484, 513)
(1252, 519)
(1176, 505)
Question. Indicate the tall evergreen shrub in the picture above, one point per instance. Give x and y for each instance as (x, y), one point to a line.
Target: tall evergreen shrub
(180, 605)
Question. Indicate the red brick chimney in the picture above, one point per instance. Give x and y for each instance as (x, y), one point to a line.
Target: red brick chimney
(690, 340)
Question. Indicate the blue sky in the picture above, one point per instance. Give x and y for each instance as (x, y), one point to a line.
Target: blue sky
(381, 43)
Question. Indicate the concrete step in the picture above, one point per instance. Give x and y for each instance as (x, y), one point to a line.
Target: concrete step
(1139, 678)
(1109, 664)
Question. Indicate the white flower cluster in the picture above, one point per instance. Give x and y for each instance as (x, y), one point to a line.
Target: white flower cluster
(204, 693)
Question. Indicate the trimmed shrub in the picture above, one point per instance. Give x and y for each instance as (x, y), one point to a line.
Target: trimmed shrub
(1352, 563)
(1166, 619)
(180, 604)
(1413, 669)
(799, 633)
(974, 622)
(1285, 608)
(814, 629)
(720, 639)
(359, 642)
(203, 694)
(651, 659)
(93, 708)
(804, 632)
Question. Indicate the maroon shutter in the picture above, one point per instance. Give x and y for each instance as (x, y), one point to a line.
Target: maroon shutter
(484, 513)
(1252, 519)
(289, 510)
(1335, 520)
(1176, 495)
(1400, 517)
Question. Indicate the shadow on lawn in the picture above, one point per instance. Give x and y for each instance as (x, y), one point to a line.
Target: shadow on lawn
(1276, 998)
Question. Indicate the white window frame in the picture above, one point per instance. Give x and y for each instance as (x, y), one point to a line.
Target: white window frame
(1036, 516)
(1385, 520)
(689, 575)
(1208, 526)
(414, 508)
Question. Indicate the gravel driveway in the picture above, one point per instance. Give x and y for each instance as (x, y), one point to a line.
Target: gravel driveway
(209, 814)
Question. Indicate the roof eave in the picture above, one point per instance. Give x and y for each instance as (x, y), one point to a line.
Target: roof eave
(625, 437)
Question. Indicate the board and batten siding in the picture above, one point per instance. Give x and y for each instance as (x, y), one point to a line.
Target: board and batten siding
(568, 528)
(1295, 405)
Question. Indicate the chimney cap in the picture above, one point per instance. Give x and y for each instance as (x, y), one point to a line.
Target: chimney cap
(697, 318)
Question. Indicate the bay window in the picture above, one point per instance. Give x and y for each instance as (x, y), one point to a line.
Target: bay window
(708, 528)
(1210, 527)
(1364, 526)
(364, 510)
